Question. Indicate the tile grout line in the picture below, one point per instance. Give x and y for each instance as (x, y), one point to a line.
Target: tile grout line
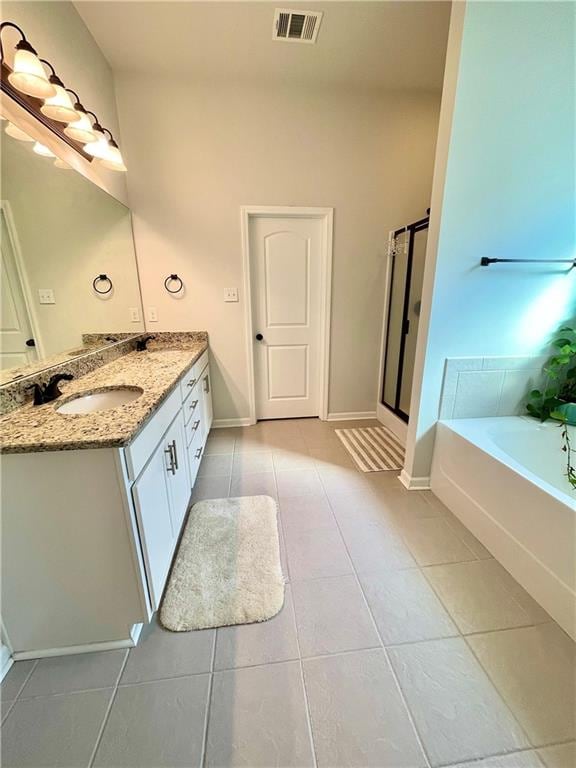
(300, 665)
(407, 709)
(208, 702)
(108, 710)
(17, 697)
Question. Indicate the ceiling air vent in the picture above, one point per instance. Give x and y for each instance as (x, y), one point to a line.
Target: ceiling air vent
(296, 26)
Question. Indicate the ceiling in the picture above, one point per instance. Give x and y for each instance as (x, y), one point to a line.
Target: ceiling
(395, 44)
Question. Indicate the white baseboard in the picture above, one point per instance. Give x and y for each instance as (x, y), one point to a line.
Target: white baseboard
(414, 483)
(135, 632)
(7, 662)
(351, 416)
(71, 650)
(222, 423)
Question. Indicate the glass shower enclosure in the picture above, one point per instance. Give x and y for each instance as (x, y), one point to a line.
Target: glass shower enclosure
(406, 276)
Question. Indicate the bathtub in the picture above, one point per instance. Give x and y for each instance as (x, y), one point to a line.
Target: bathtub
(503, 478)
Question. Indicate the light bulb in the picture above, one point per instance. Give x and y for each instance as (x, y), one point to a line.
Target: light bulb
(40, 149)
(113, 159)
(100, 147)
(17, 133)
(28, 75)
(81, 129)
(59, 107)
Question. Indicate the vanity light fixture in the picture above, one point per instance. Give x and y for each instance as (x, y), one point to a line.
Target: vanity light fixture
(58, 107)
(113, 157)
(28, 75)
(17, 133)
(81, 129)
(40, 149)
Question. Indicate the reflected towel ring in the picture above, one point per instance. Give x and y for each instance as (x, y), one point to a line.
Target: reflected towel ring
(105, 279)
(174, 278)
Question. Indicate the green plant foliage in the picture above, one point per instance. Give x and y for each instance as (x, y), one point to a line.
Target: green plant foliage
(560, 382)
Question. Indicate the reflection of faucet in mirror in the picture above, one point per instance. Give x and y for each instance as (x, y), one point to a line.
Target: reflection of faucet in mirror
(51, 391)
(141, 343)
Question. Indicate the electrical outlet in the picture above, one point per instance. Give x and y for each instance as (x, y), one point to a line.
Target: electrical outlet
(46, 296)
(134, 315)
(230, 294)
(152, 315)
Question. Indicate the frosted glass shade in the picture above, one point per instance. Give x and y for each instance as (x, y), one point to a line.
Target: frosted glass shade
(113, 160)
(98, 148)
(59, 107)
(81, 129)
(17, 133)
(40, 149)
(28, 76)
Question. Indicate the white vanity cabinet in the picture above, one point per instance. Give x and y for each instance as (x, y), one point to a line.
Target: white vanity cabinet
(88, 536)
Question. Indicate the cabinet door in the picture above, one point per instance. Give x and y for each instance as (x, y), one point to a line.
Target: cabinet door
(152, 502)
(178, 475)
(206, 389)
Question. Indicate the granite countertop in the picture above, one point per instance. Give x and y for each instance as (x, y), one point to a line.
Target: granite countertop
(40, 428)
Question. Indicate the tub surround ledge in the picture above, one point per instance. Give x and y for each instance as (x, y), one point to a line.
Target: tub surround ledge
(156, 371)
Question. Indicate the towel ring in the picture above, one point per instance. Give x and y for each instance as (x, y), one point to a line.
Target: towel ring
(174, 278)
(104, 279)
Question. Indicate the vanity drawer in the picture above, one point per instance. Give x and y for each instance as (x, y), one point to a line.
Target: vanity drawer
(140, 450)
(195, 426)
(192, 407)
(192, 377)
(195, 453)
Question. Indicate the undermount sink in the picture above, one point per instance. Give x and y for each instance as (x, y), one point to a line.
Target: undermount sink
(103, 400)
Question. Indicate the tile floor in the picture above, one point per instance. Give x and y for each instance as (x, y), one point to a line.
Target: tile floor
(401, 643)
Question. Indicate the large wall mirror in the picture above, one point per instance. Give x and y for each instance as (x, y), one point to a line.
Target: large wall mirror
(69, 280)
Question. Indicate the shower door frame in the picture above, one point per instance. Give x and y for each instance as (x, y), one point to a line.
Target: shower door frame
(411, 230)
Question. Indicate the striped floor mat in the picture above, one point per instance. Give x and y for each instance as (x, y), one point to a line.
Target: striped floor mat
(374, 449)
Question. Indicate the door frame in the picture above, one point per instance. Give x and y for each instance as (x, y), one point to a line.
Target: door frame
(12, 233)
(326, 216)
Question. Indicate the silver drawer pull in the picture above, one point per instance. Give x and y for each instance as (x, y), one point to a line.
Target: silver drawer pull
(198, 453)
(207, 384)
(170, 468)
(175, 454)
(193, 404)
(191, 383)
(196, 425)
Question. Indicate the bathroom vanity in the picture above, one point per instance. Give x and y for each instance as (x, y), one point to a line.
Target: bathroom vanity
(94, 502)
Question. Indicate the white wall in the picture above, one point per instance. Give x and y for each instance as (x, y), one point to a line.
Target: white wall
(60, 36)
(508, 191)
(197, 152)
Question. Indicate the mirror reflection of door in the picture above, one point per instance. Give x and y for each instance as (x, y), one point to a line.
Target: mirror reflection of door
(15, 325)
(405, 295)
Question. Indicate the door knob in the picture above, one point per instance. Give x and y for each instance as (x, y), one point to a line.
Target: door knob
(259, 337)
(30, 343)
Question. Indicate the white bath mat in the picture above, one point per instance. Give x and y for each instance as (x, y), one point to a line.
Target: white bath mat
(374, 449)
(227, 568)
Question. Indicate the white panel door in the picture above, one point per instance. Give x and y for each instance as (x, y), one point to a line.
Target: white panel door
(15, 327)
(285, 263)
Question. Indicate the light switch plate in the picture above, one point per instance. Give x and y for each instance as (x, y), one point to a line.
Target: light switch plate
(230, 294)
(46, 296)
(134, 315)
(152, 315)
